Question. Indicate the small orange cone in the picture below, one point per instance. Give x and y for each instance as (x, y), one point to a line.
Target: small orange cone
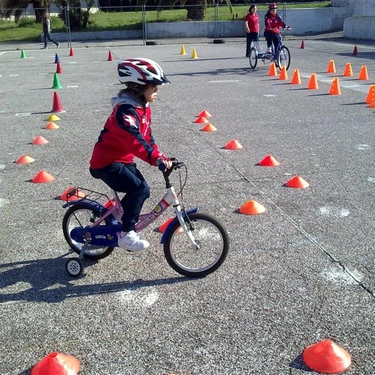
(205, 114)
(39, 140)
(326, 357)
(24, 159)
(56, 106)
(56, 364)
(371, 95)
(233, 145)
(296, 79)
(74, 194)
(59, 68)
(201, 120)
(42, 177)
(331, 67)
(363, 75)
(269, 161)
(252, 208)
(110, 57)
(71, 52)
(283, 74)
(302, 45)
(335, 87)
(208, 128)
(355, 51)
(297, 183)
(51, 126)
(348, 70)
(164, 226)
(273, 71)
(313, 82)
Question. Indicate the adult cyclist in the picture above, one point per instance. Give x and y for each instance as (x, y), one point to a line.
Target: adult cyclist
(272, 25)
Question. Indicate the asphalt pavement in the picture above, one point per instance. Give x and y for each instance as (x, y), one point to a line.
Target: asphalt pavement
(296, 275)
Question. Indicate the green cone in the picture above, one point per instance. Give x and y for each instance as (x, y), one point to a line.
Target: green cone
(23, 54)
(56, 82)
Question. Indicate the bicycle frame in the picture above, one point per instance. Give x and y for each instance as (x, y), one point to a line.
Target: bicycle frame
(170, 198)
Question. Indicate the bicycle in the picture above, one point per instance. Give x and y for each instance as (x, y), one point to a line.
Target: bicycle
(195, 244)
(280, 57)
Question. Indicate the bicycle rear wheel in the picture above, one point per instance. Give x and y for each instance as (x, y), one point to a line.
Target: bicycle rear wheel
(284, 57)
(253, 58)
(210, 249)
(83, 216)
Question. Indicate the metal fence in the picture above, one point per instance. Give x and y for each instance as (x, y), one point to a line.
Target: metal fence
(130, 22)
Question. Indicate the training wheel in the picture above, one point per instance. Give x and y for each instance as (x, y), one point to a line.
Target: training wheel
(74, 267)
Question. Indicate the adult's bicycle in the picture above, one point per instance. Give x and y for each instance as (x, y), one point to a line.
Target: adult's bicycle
(280, 56)
(195, 244)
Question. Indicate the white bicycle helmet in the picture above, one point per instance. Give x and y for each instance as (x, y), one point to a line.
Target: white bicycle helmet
(141, 71)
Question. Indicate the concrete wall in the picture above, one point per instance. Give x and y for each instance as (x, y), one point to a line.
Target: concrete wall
(303, 22)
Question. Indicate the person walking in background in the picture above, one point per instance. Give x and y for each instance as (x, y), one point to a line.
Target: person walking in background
(251, 27)
(47, 31)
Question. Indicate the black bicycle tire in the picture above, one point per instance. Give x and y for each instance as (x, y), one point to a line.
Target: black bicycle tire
(255, 63)
(283, 47)
(223, 254)
(108, 250)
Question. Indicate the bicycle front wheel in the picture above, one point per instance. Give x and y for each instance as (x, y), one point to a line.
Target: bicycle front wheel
(82, 216)
(253, 58)
(205, 255)
(284, 57)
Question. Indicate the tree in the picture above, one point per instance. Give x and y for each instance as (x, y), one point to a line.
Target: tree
(73, 14)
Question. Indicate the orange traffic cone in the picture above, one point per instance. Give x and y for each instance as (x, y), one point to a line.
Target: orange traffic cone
(313, 82)
(233, 145)
(252, 208)
(269, 161)
(302, 45)
(164, 226)
(355, 51)
(335, 87)
(59, 68)
(39, 140)
(56, 106)
(42, 177)
(273, 71)
(326, 357)
(297, 183)
(348, 70)
(110, 57)
(24, 159)
(283, 74)
(56, 364)
(371, 105)
(371, 95)
(363, 75)
(296, 79)
(205, 114)
(201, 120)
(72, 194)
(331, 67)
(51, 126)
(71, 52)
(208, 128)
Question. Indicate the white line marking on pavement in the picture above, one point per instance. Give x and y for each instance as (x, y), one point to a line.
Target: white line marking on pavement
(339, 276)
(225, 81)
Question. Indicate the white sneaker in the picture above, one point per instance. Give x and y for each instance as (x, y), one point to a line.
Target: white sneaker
(269, 49)
(131, 241)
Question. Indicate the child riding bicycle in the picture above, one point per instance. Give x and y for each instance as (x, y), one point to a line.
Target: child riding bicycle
(272, 25)
(126, 134)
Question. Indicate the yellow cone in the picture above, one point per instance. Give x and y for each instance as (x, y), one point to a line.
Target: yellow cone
(194, 54)
(183, 51)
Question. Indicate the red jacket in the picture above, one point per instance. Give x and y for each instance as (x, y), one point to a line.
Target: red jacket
(252, 21)
(126, 134)
(273, 23)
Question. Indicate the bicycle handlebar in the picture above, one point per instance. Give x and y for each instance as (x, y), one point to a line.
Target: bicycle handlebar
(175, 165)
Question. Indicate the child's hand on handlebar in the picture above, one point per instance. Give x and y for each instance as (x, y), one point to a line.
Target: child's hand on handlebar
(167, 163)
